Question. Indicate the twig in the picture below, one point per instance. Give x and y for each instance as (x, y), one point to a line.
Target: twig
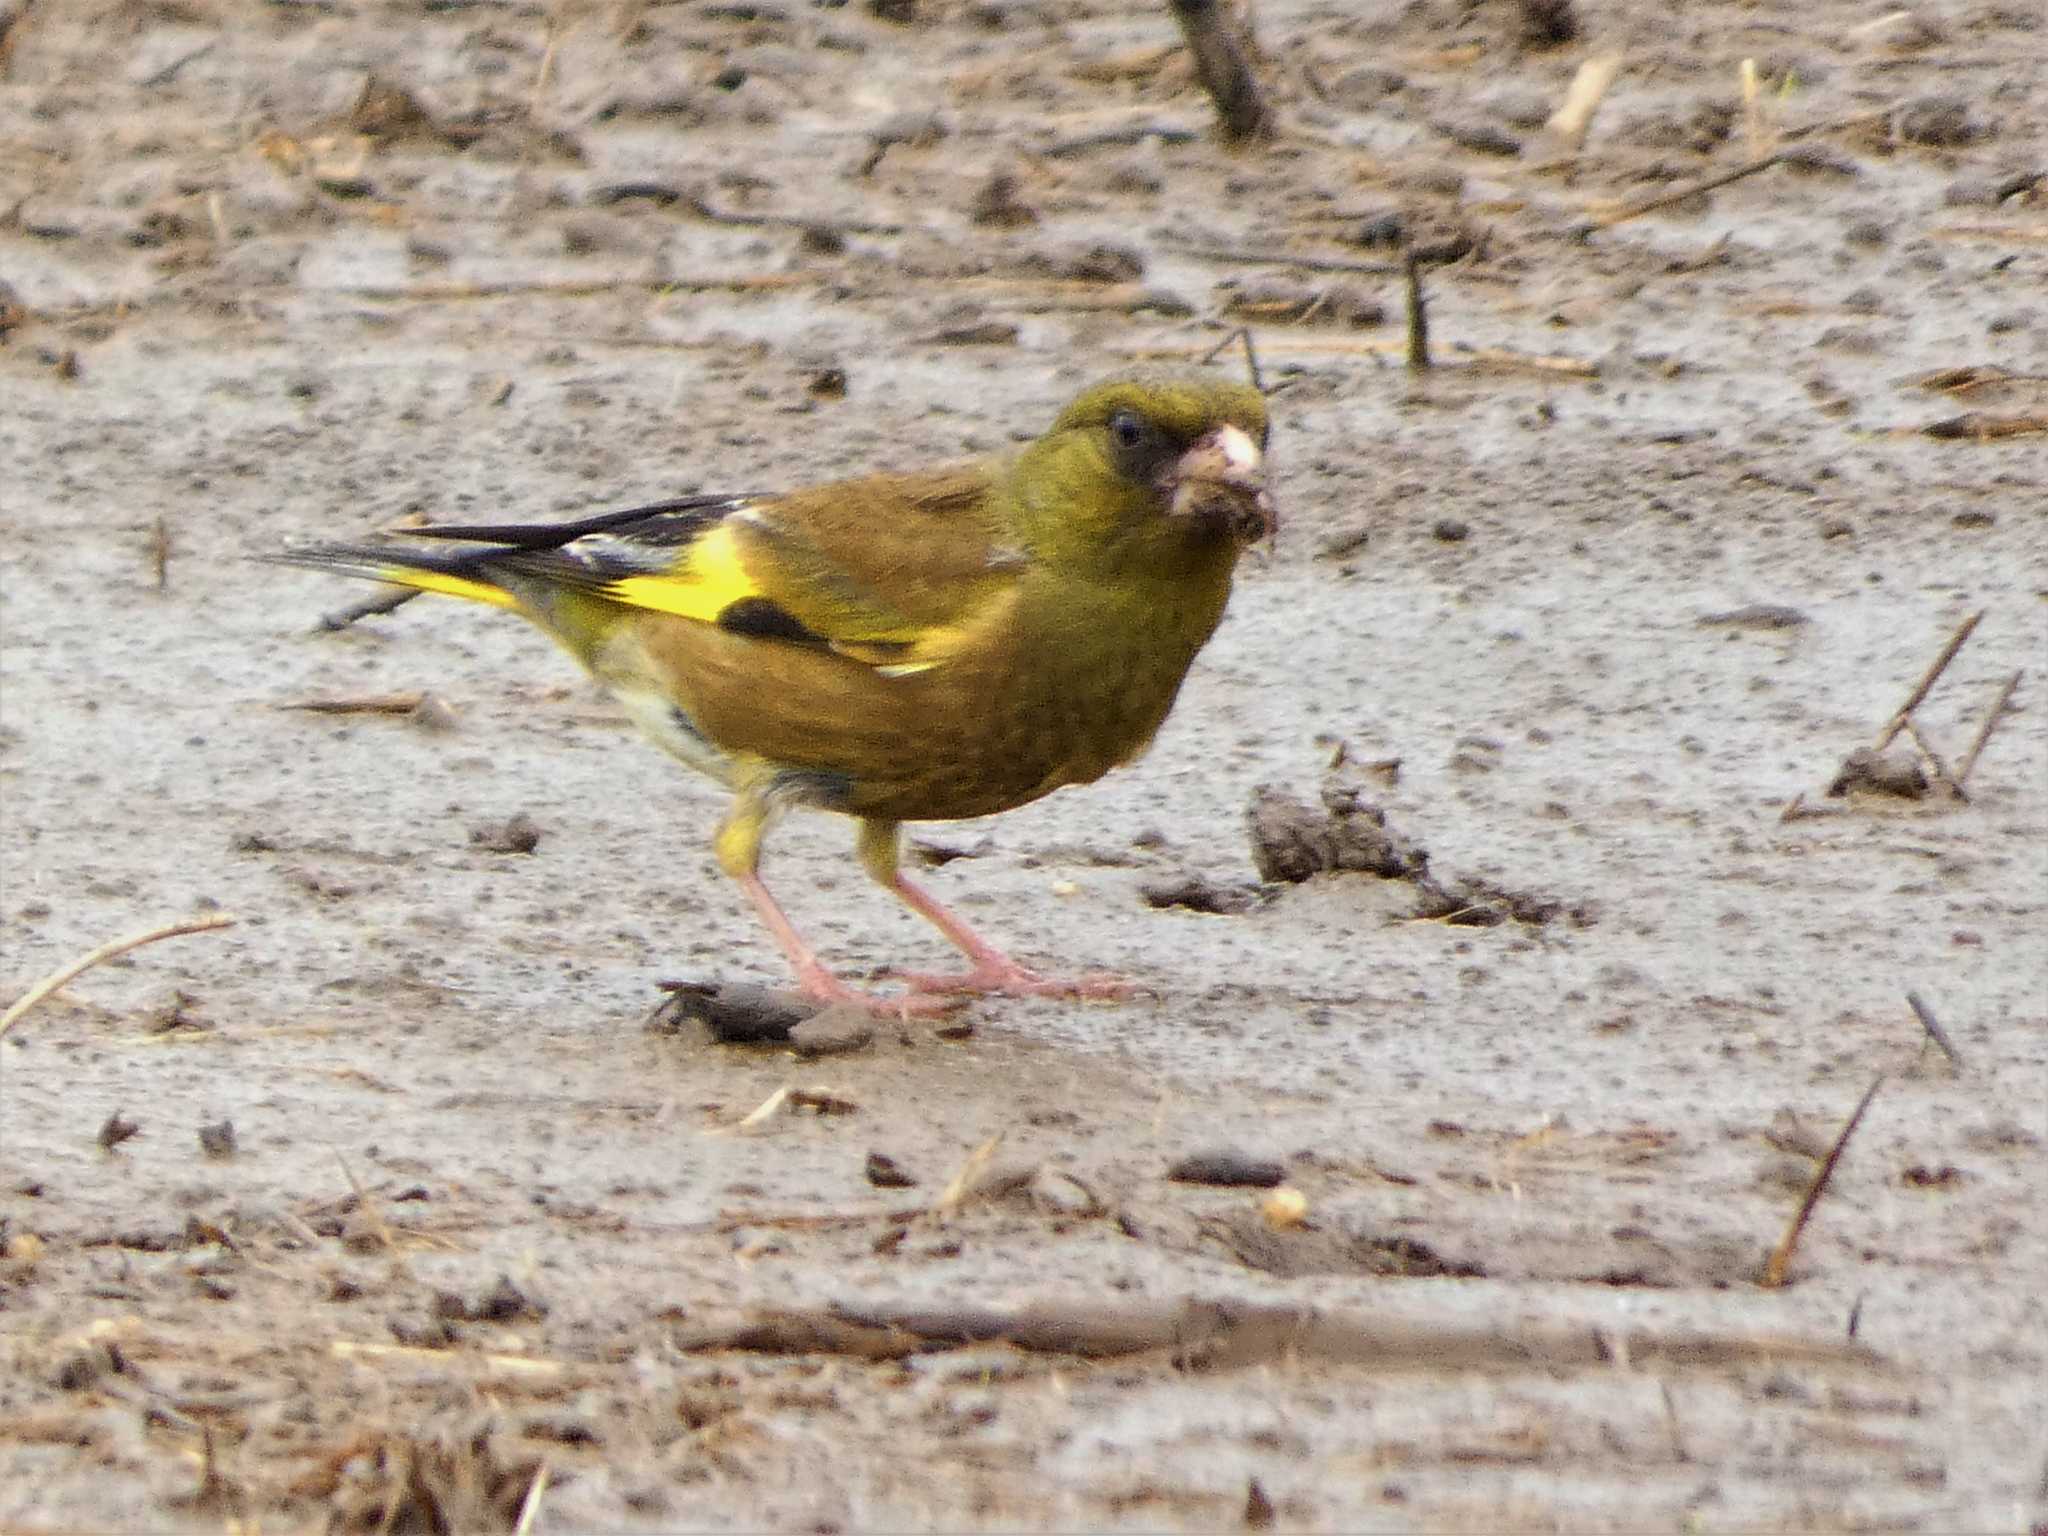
(1127, 133)
(1225, 1335)
(1678, 1452)
(1933, 757)
(12, 26)
(1752, 110)
(1537, 362)
(712, 215)
(1781, 1256)
(1239, 255)
(964, 1182)
(373, 1213)
(1897, 723)
(1418, 316)
(1934, 1030)
(1637, 210)
(160, 553)
(578, 288)
(510, 1365)
(1985, 426)
(1575, 115)
(529, 1507)
(1251, 357)
(172, 70)
(57, 979)
(387, 601)
(371, 704)
(1225, 72)
(1969, 758)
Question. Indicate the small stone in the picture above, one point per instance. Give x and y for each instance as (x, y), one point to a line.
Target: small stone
(1227, 1168)
(833, 1032)
(884, 1172)
(517, 833)
(1890, 773)
(1941, 121)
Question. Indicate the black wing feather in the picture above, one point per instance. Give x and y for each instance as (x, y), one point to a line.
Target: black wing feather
(677, 521)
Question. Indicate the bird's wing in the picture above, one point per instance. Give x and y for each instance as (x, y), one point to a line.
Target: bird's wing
(884, 569)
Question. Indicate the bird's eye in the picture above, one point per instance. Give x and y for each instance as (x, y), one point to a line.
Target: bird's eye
(1129, 428)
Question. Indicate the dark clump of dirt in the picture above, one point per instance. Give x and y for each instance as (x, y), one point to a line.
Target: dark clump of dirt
(1293, 842)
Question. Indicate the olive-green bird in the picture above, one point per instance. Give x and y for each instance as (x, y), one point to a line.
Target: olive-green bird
(901, 647)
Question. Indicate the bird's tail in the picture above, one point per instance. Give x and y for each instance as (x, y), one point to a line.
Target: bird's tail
(522, 565)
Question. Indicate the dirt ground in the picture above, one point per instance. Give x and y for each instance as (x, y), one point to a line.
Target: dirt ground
(420, 1226)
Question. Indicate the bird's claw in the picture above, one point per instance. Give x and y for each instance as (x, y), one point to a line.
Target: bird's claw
(1009, 980)
(824, 988)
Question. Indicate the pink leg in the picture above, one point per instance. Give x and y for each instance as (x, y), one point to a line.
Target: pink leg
(992, 971)
(811, 974)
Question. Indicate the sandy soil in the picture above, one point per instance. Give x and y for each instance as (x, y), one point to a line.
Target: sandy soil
(471, 1221)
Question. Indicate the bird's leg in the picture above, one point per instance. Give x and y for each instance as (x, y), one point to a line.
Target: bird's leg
(738, 845)
(990, 969)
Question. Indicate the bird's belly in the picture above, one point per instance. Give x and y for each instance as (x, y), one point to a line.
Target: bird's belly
(1022, 739)
(669, 727)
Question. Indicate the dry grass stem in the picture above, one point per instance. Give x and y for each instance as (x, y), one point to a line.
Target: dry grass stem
(529, 1507)
(1752, 109)
(1694, 189)
(1934, 761)
(1418, 315)
(963, 1183)
(1222, 57)
(1934, 1030)
(368, 704)
(1575, 116)
(1998, 710)
(508, 1365)
(1243, 334)
(1781, 1256)
(57, 979)
(385, 600)
(1903, 714)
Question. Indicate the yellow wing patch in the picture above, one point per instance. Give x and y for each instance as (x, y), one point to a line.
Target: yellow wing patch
(709, 579)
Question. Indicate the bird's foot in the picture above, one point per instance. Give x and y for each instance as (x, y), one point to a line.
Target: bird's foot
(1007, 978)
(822, 987)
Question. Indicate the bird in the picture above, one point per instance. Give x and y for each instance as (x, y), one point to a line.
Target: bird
(903, 646)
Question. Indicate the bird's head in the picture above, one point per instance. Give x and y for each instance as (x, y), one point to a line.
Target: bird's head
(1157, 467)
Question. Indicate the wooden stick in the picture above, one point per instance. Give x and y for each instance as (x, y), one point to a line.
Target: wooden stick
(1239, 255)
(160, 553)
(1897, 722)
(574, 288)
(386, 601)
(1537, 362)
(1223, 69)
(1969, 758)
(1251, 357)
(1418, 317)
(1752, 109)
(57, 979)
(1933, 757)
(370, 704)
(1571, 120)
(1637, 210)
(1934, 1030)
(529, 1507)
(1781, 1256)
